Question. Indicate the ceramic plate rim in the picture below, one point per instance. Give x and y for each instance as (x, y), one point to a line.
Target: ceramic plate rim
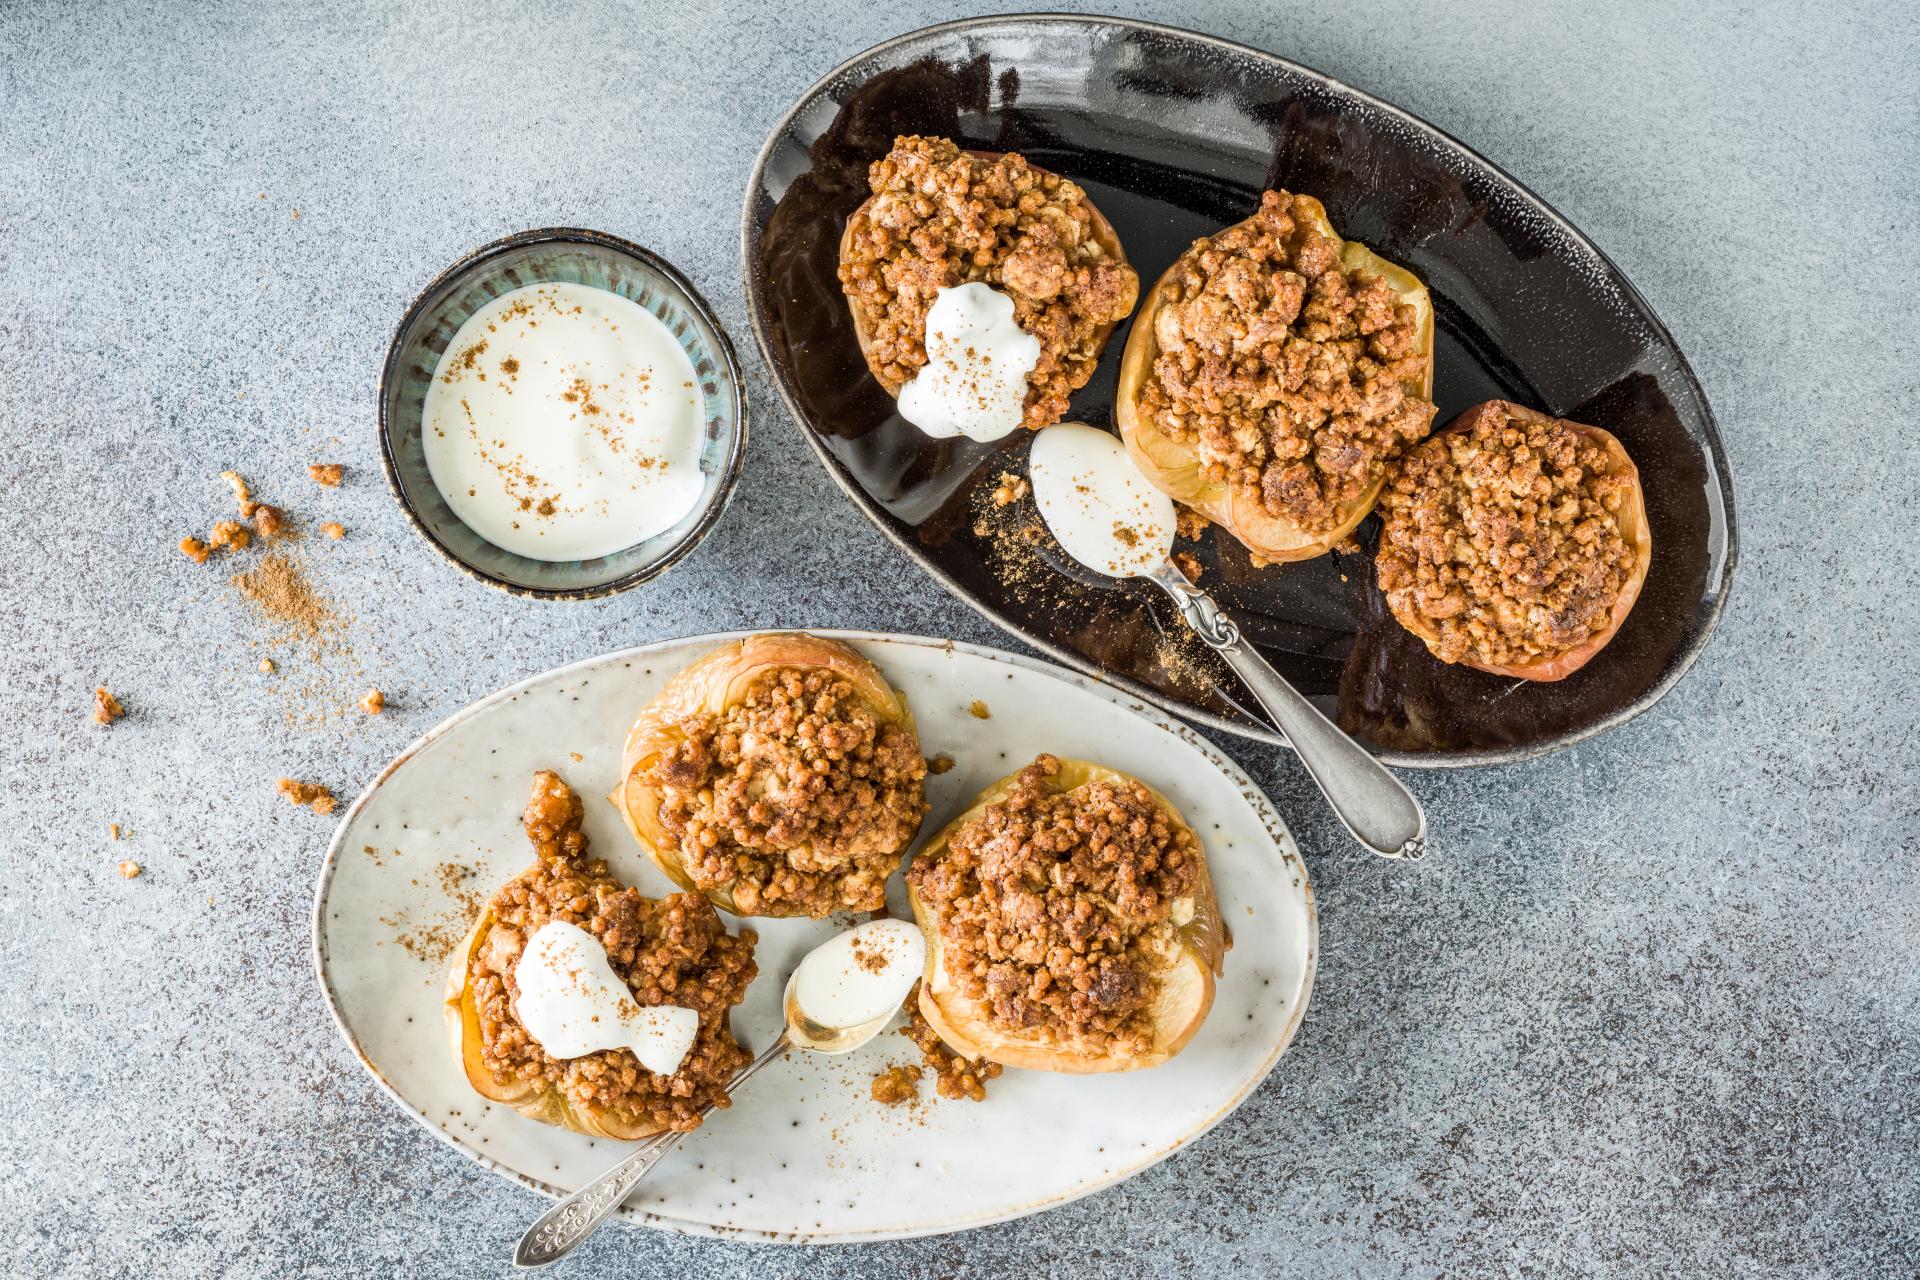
(1683, 662)
(1263, 807)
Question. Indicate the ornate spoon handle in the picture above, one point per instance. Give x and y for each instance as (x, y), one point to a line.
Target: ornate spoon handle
(1375, 806)
(555, 1233)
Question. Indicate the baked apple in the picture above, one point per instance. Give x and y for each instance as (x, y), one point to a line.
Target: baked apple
(1273, 374)
(780, 775)
(1071, 923)
(1514, 542)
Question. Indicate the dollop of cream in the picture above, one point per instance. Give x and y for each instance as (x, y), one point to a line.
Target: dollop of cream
(1098, 505)
(860, 976)
(974, 383)
(573, 1003)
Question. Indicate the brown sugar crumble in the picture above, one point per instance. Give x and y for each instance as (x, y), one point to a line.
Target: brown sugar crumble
(1011, 489)
(333, 529)
(269, 521)
(1189, 566)
(978, 710)
(195, 550)
(955, 1077)
(266, 666)
(795, 796)
(311, 795)
(129, 869)
(1499, 540)
(326, 473)
(897, 1084)
(242, 494)
(1055, 908)
(1285, 372)
(230, 534)
(941, 217)
(374, 703)
(106, 707)
(113, 830)
(673, 950)
(940, 763)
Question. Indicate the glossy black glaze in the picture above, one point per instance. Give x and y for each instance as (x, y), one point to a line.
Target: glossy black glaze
(1174, 136)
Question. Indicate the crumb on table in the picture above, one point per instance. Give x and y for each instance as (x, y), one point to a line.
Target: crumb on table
(242, 495)
(978, 710)
(940, 763)
(1011, 489)
(1188, 564)
(313, 795)
(106, 707)
(229, 533)
(269, 521)
(374, 703)
(113, 830)
(1189, 523)
(326, 473)
(195, 550)
(266, 666)
(129, 869)
(333, 530)
(897, 1084)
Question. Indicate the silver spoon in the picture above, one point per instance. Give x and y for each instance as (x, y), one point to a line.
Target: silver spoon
(560, 1230)
(1106, 515)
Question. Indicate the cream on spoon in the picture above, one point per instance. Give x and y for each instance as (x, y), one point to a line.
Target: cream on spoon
(1104, 514)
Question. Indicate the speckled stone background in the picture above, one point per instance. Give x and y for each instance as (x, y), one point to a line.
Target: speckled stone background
(1650, 1009)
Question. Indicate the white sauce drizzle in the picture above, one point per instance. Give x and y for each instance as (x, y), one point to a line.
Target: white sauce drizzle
(974, 383)
(573, 1003)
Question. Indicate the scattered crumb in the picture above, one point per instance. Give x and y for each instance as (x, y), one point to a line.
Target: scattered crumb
(577, 757)
(113, 830)
(955, 1077)
(313, 795)
(897, 1084)
(106, 707)
(129, 869)
(1189, 523)
(230, 533)
(978, 710)
(269, 521)
(1011, 489)
(296, 215)
(242, 495)
(374, 703)
(326, 473)
(1347, 546)
(333, 530)
(1257, 560)
(266, 666)
(195, 550)
(940, 763)
(1188, 564)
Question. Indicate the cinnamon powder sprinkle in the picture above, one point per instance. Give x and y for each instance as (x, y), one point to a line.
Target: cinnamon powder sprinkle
(106, 707)
(281, 592)
(313, 795)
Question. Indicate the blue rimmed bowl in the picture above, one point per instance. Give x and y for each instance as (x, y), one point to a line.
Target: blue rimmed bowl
(570, 256)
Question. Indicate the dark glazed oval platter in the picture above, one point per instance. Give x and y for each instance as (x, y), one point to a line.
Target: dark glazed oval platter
(1174, 136)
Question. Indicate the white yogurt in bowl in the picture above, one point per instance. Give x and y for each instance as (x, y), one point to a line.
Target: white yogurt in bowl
(563, 422)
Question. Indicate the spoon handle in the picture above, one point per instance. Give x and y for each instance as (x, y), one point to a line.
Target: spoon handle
(558, 1231)
(1375, 806)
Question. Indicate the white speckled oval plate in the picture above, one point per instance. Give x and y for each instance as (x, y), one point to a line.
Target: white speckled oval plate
(804, 1155)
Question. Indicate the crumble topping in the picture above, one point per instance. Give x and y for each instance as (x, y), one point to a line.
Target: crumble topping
(673, 950)
(954, 1077)
(796, 796)
(1283, 372)
(326, 473)
(333, 529)
(1500, 540)
(897, 1084)
(1010, 490)
(374, 703)
(312, 795)
(940, 218)
(1055, 909)
(106, 707)
(129, 869)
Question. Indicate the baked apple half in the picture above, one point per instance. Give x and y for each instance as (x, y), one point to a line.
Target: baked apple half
(652, 956)
(1514, 542)
(941, 218)
(1273, 374)
(780, 775)
(1071, 924)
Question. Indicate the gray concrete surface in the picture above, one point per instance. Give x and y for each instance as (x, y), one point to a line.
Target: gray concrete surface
(1649, 1011)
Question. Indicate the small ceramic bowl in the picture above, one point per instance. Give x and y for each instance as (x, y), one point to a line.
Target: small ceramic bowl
(558, 254)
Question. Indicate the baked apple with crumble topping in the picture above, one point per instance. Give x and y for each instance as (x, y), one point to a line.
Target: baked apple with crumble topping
(941, 219)
(1514, 542)
(780, 775)
(541, 1039)
(1274, 374)
(1071, 923)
